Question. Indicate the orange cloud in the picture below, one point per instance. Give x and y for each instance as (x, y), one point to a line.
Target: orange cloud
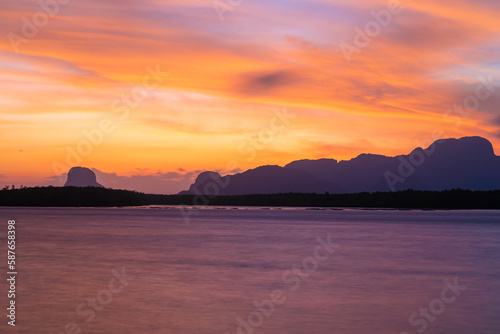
(226, 77)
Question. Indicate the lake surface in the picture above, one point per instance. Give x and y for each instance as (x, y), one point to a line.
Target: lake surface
(213, 274)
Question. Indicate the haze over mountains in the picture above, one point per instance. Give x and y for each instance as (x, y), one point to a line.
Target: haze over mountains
(466, 163)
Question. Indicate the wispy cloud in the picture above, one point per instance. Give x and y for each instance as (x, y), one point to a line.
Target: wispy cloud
(224, 76)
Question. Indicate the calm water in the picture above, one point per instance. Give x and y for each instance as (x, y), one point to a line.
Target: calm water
(200, 278)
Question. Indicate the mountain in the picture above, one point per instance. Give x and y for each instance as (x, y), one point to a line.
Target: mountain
(466, 163)
(82, 177)
(261, 180)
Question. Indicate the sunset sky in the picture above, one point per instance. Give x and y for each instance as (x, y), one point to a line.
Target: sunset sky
(152, 92)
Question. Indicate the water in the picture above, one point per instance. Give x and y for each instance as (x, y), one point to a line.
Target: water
(201, 277)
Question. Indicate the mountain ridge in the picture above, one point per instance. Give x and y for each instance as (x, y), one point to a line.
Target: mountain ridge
(466, 163)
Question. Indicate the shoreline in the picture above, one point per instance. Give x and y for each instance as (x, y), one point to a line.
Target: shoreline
(407, 200)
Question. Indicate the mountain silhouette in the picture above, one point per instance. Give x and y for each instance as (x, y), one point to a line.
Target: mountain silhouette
(466, 163)
(261, 180)
(81, 177)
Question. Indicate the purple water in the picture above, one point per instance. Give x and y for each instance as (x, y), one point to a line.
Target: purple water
(203, 276)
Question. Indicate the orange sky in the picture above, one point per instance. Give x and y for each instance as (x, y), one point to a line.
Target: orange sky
(261, 83)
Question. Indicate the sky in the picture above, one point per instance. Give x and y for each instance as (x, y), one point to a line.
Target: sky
(150, 93)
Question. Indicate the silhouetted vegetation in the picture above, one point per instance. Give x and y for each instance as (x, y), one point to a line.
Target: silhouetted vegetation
(70, 197)
(94, 197)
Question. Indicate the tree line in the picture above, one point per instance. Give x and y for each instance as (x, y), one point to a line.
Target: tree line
(103, 197)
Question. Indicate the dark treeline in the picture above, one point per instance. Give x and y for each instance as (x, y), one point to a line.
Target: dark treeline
(94, 197)
(70, 197)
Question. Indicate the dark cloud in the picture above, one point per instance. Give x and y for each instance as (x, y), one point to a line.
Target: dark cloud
(263, 83)
(427, 31)
(460, 92)
(490, 4)
(496, 122)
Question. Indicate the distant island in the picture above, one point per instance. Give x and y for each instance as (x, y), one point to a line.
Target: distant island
(465, 163)
(103, 197)
(82, 177)
(450, 174)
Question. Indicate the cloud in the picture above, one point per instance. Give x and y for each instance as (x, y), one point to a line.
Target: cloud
(227, 76)
(157, 183)
(39, 66)
(265, 83)
(152, 183)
